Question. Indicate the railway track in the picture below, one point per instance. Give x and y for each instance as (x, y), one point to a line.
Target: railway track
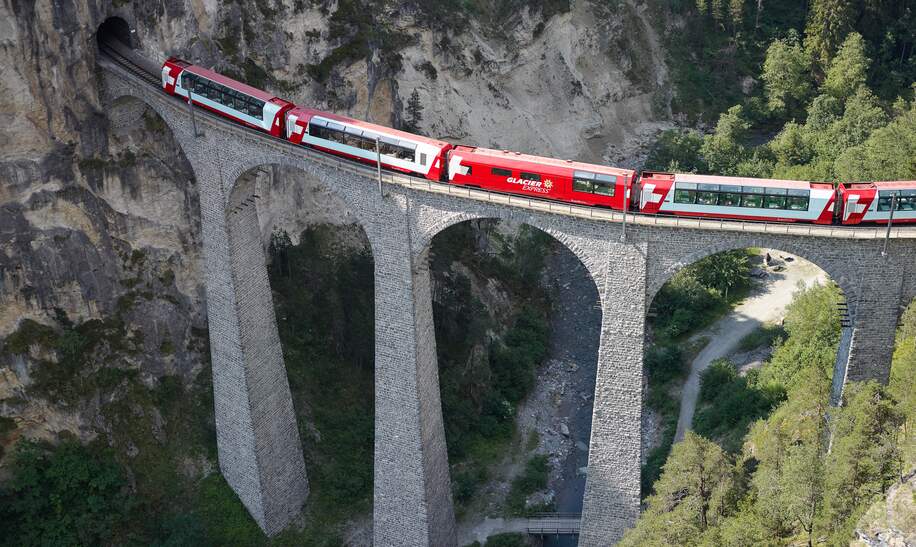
(128, 64)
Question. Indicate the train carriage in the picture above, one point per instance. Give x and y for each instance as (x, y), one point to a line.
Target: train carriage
(356, 139)
(872, 202)
(225, 96)
(536, 176)
(740, 198)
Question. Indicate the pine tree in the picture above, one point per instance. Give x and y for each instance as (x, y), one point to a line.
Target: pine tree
(829, 21)
(414, 113)
(691, 495)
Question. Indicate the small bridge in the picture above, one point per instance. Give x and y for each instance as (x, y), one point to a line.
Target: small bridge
(554, 524)
(539, 524)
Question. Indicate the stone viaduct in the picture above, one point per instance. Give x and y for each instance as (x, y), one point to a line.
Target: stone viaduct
(259, 447)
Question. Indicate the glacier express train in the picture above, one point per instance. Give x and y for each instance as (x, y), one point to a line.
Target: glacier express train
(684, 194)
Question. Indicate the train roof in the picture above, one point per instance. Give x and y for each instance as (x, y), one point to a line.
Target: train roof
(234, 84)
(882, 185)
(748, 181)
(522, 159)
(381, 129)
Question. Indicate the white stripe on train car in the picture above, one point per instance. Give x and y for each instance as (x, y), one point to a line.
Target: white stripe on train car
(873, 214)
(269, 108)
(365, 154)
(816, 205)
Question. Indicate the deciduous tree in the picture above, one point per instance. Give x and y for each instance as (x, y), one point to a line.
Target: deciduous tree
(787, 75)
(848, 69)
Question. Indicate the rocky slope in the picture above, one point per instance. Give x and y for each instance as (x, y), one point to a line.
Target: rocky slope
(95, 215)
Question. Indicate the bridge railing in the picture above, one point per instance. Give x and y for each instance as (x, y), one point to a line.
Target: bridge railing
(554, 524)
(606, 215)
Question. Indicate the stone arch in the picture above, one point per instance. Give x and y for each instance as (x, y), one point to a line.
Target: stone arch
(120, 95)
(347, 191)
(585, 274)
(847, 286)
(447, 221)
(116, 29)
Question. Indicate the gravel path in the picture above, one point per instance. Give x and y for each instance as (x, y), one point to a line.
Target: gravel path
(767, 303)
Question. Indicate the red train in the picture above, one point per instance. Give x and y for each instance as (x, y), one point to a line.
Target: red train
(684, 194)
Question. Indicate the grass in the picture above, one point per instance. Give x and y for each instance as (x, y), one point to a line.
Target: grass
(533, 478)
(667, 364)
(762, 336)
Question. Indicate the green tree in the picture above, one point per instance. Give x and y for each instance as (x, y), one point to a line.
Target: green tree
(693, 493)
(65, 495)
(677, 151)
(414, 112)
(813, 326)
(787, 75)
(789, 447)
(829, 21)
(864, 459)
(724, 150)
(889, 153)
(723, 271)
(902, 380)
(848, 69)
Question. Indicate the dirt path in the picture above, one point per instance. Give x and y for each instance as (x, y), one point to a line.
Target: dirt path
(767, 303)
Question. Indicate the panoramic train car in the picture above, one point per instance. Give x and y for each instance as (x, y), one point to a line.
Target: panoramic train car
(225, 96)
(534, 176)
(871, 202)
(355, 139)
(736, 197)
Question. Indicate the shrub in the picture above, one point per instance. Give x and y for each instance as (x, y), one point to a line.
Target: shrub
(64, 495)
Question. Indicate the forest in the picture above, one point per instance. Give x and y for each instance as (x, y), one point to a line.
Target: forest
(770, 462)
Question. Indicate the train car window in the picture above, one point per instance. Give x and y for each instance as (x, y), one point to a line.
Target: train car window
(707, 198)
(422, 158)
(798, 200)
(708, 187)
(530, 176)
(500, 172)
(797, 203)
(406, 150)
(607, 179)
(730, 199)
(388, 146)
(906, 200)
(685, 196)
(752, 200)
(605, 185)
(604, 188)
(774, 202)
(776, 191)
(729, 195)
(884, 200)
(583, 181)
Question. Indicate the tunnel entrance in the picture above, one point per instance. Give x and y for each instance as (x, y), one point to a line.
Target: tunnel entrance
(115, 29)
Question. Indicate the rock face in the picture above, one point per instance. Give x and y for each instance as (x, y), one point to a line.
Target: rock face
(99, 209)
(890, 522)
